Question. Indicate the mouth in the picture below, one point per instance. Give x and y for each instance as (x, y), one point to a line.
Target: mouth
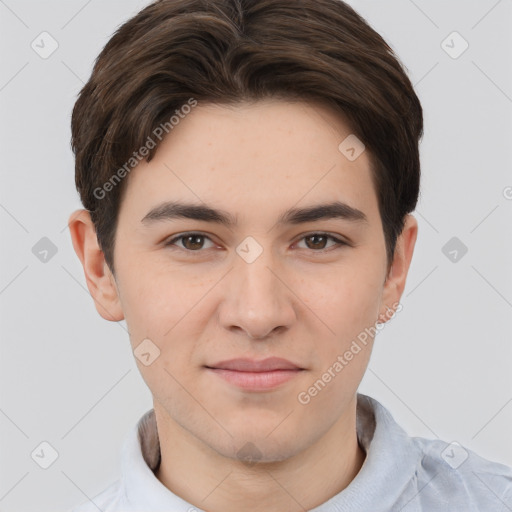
(252, 375)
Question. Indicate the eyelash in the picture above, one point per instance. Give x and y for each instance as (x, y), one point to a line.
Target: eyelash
(339, 243)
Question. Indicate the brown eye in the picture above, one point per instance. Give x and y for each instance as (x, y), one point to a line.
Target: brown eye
(195, 242)
(317, 241)
(192, 242)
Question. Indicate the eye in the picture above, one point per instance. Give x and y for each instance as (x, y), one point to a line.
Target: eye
(194, 242)
(317, 241)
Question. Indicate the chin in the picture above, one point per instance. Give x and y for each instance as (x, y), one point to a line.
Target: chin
(257, 448)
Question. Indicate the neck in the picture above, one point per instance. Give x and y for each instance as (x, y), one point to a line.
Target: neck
(212, 482)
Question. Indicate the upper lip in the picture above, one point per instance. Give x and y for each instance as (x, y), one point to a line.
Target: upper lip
(251, 365)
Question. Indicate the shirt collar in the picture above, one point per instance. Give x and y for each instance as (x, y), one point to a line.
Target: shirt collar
(390, 463)
(389, 451)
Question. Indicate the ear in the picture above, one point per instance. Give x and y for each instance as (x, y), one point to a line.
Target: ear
(397, 275)
(99, 278)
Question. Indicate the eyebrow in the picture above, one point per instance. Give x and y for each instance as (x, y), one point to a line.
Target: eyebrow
(178, 210)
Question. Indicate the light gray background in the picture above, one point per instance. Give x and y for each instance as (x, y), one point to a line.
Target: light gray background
(442, 366)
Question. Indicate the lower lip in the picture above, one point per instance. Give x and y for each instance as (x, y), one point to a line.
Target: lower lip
(256, 381)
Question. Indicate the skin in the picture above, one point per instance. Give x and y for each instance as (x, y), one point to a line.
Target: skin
(299, 300)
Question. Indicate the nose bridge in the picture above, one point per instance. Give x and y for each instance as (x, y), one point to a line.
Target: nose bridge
(256, 274)
(259, 302)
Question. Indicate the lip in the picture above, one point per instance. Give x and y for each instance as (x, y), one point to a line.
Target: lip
(251, 365)
(253, 375)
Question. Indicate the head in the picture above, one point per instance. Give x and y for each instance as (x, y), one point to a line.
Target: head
(230, 122)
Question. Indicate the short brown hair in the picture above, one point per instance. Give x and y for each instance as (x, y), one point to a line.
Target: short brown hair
(227, 51)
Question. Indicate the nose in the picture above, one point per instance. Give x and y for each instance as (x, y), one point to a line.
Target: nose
(258, 301)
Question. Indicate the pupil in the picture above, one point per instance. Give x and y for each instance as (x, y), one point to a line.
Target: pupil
(316, 237)
(196, 240)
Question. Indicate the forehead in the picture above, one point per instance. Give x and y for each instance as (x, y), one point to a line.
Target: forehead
(255, 157)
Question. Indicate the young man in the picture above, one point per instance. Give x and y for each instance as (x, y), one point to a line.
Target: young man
(248, 170)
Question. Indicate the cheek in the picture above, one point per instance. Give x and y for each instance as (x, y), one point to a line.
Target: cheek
(350, 309)
(165, 307)
(346, 301)
(330, 390)
(154, 300)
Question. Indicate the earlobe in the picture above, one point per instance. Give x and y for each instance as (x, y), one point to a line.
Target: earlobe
(395, 282)
(100, 282)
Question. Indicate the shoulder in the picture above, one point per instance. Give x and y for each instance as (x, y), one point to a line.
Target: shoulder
(458, 475)
(107, 501)
(437, 475)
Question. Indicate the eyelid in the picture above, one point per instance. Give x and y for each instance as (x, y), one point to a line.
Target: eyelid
(170, 241)
(339, 241)
(335, 236)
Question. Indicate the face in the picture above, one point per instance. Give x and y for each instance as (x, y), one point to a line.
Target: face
(218, 300)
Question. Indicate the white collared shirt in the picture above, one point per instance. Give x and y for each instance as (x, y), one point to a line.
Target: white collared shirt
(400, 473)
